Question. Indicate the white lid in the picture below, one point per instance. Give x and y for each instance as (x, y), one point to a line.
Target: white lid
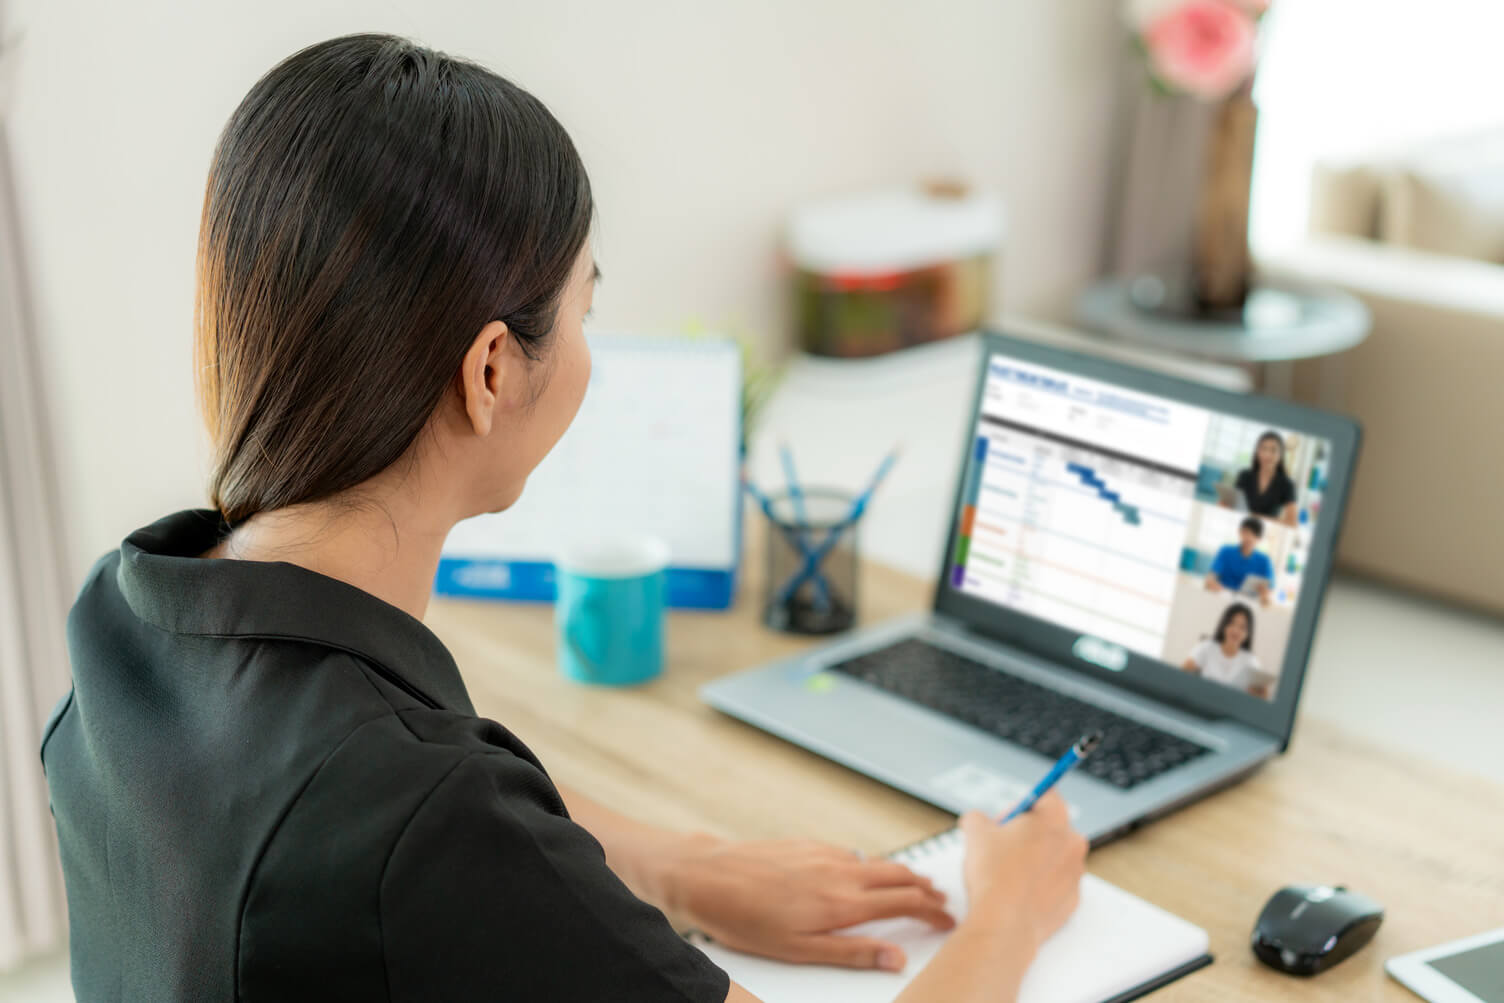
(894, 230)
(614, 557)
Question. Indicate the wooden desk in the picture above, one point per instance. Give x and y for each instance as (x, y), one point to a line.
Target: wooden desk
(1426, 842)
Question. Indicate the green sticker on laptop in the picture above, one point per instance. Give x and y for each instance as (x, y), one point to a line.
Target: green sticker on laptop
(820, 682)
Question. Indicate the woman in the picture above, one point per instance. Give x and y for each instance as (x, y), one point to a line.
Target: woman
(269, 782)
(1227, 656)
(1266, 487)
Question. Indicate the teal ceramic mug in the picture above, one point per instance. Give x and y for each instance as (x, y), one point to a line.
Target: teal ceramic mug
(609, 613)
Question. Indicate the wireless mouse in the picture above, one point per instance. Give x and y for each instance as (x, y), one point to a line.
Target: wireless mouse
(1306, 929)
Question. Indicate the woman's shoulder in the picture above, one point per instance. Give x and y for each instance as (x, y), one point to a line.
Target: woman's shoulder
(99, 587)
(422, 750)
(385, 774)
(489, 746)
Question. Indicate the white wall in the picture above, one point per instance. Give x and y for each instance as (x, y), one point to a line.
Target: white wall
(701, 124)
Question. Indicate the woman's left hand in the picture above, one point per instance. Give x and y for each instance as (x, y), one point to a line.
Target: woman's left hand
(785, 898)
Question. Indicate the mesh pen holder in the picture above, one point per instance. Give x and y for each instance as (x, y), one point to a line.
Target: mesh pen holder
(810, 585)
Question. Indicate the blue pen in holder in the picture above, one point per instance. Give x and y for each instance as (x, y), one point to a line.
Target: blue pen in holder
(812, 562)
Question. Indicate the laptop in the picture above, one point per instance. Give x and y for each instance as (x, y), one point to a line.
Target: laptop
(1073, 597)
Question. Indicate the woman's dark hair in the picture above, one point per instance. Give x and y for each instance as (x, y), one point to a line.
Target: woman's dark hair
(1227, 616)
(371, 206)
(1280, 473)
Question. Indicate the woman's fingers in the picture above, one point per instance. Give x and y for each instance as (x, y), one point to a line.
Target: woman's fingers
(888, 903)
(1052, 808)
(891, 874)
(848, 952)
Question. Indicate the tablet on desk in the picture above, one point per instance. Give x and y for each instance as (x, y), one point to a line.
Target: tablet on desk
(1465, 971)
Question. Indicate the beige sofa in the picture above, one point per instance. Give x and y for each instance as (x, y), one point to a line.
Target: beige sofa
(1421, 241)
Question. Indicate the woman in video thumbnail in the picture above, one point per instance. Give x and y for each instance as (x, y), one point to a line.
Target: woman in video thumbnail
(1266, 486)
(1227, 656)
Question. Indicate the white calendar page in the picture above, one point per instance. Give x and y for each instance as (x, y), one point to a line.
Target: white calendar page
(653, 450)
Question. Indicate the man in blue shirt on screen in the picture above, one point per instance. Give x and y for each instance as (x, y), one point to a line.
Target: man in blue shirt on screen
(1237, 563)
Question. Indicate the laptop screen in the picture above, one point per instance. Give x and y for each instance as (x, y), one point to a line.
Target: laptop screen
(1171, 531)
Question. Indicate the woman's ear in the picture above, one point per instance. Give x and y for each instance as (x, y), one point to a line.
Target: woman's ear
(485, 375)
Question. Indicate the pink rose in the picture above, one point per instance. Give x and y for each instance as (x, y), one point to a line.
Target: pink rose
(1203, 47)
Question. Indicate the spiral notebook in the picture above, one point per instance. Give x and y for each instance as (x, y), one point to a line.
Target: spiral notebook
(1115, 947)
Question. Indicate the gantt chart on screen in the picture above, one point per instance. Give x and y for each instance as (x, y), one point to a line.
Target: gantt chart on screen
(1077, 500)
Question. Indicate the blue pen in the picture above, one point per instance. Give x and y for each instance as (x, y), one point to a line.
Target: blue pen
(812, 559)
(1067, 762)
(796, 539)
(796, 495)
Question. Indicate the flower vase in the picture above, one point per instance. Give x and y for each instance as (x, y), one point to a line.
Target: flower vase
(1182, 222)
(1220, 261)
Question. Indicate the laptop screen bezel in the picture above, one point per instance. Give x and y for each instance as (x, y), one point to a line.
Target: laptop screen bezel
(1142, 673)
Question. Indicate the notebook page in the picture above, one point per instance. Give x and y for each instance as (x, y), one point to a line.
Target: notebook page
(1114, 942)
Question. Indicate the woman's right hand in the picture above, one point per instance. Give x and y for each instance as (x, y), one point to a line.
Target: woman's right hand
(1026, 873)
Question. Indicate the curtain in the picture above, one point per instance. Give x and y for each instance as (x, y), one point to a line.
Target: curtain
(33, 601)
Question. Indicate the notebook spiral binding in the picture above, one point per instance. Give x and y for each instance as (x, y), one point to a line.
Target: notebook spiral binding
(928, 846)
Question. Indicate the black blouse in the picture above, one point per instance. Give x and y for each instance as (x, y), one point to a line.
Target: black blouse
(1271, 502)
(270, 785)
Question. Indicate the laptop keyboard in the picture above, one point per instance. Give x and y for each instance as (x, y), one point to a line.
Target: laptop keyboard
(1021, 712)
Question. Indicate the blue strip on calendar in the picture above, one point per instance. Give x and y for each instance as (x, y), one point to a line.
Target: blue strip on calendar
(533, 581)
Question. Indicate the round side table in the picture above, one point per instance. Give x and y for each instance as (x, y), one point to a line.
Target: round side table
(1280, 323)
